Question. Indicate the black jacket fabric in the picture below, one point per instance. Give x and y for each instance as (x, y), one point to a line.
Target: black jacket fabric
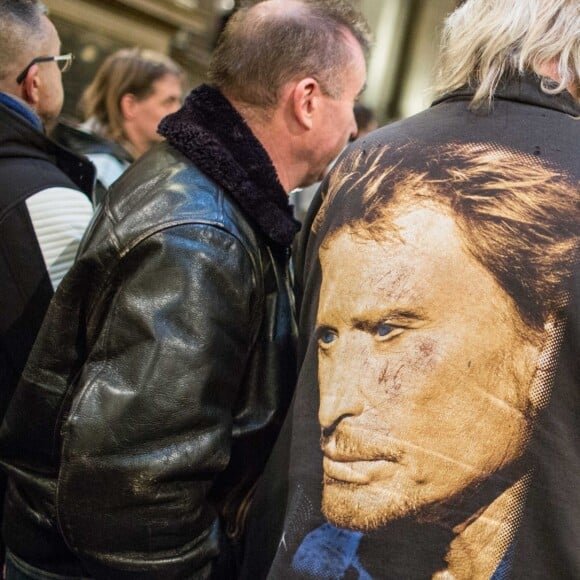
(86, 143)
(289, 535)
(29, 164)
(162, 374)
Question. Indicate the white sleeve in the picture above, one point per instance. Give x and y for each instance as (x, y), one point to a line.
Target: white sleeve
(60, 217)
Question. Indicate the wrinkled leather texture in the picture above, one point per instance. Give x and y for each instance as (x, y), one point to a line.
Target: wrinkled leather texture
(156, 387)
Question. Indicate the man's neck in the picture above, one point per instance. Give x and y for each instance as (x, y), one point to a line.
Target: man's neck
(272, 133)
(135, 145)
(278, 154)
(550, 69)
(481, 543)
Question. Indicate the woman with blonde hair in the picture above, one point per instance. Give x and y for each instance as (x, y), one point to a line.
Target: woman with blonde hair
(132, 91)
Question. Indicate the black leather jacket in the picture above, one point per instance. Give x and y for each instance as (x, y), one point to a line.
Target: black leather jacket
(156, 388)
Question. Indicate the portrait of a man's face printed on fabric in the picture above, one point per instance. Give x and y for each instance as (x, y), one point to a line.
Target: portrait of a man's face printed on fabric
(440, 316)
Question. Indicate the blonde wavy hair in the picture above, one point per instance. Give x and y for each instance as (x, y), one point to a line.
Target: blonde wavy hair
(484, 40)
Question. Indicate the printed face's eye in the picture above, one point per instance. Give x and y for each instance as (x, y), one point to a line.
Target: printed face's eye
(326, 336)
(383, 330)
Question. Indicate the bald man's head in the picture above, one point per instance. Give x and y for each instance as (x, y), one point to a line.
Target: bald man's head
(268, 44)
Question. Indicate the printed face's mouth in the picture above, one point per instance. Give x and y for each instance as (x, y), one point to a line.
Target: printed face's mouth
(359, 455)
(357, 471)
(344, 447)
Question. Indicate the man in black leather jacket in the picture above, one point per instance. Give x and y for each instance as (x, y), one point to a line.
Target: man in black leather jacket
(44, 189)
(158, 383)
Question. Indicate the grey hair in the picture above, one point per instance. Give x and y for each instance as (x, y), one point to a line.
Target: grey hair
(21, 32)
(484, 40)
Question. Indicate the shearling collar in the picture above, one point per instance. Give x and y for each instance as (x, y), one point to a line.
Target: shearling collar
(214, 136)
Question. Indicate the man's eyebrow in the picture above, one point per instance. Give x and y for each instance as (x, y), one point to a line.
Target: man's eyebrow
(368, 323)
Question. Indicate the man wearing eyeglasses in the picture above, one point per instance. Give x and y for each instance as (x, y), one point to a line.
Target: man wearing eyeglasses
(44, 203)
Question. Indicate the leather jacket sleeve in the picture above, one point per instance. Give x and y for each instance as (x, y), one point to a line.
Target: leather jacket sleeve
(150, 422)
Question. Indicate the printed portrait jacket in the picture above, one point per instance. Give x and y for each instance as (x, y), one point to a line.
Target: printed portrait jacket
(290, 536)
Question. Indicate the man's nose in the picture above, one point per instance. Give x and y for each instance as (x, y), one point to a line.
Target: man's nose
(340, 394)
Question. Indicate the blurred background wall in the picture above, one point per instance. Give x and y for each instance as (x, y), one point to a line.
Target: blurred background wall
(405, 32)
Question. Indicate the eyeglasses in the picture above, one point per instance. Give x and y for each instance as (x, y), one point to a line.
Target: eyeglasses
(63, 61)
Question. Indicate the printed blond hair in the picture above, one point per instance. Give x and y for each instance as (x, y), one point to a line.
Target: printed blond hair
(518, 215)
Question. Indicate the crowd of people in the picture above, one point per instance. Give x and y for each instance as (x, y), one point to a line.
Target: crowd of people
(197, 384)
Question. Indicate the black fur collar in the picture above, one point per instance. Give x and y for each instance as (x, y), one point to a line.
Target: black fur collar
(214, 136)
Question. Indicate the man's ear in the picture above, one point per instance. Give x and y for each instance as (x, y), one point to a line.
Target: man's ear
(127, 106)
(30, 87)
(306, 100)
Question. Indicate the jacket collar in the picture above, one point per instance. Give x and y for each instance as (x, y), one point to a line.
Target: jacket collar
(22, 109)
(524, 89)
(214, 136)
(20, 139)
(80, 138)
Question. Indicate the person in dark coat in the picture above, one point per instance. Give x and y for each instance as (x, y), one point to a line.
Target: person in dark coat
(166, 363)
(434, 429)
(44, 190)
